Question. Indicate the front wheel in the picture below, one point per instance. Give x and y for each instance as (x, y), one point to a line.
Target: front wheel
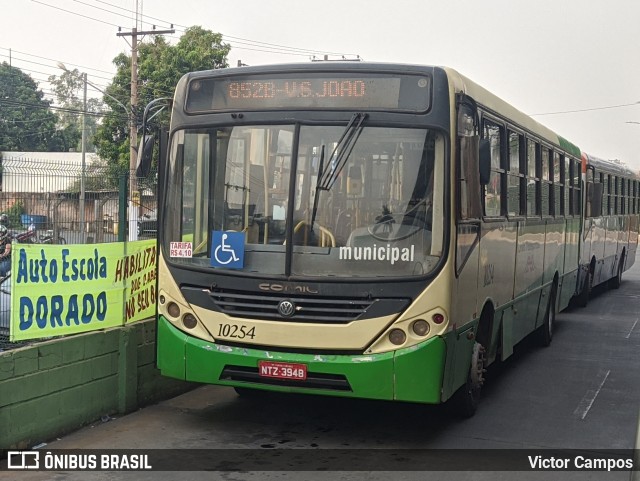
(467, 398)
(62, 240)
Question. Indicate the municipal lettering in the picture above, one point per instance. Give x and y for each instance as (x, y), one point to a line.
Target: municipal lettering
(377, 253)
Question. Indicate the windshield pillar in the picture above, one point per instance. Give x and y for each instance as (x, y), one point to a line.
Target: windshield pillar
(290, 203)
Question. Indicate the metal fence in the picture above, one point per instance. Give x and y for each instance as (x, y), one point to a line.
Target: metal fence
(44, 197)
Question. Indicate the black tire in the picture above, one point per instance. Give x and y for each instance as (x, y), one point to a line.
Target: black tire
(62, 240)
(616, 281)
(545, 331)
(466, 399)
(585, 293)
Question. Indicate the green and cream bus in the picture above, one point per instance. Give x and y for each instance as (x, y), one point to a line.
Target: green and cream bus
(610, 231)
(379, 231)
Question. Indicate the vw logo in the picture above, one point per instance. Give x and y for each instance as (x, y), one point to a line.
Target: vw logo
(286, 308)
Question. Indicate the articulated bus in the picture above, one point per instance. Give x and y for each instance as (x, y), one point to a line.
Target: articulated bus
(610, 230)
(378, 231)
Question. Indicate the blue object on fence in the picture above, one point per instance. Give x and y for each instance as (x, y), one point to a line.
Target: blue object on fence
(40, 221)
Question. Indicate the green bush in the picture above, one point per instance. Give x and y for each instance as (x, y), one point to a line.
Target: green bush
(14, 213)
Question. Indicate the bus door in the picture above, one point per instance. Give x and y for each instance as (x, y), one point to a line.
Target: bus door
(468, 212)
(591, 212)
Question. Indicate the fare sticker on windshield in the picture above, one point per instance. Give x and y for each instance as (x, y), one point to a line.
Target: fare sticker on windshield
(180, 249)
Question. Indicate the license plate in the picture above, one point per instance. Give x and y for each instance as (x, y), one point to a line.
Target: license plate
(282, 370)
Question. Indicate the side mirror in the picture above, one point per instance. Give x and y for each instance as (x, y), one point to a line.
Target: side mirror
(484, 161)
(145, 155)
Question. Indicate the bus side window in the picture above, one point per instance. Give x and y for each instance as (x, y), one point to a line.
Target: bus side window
(468, 168)
(594, 196)
(493, 193)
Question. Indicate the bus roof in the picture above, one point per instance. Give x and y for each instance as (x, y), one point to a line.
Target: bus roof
(458, 82)
(492, 102)
(610, 166)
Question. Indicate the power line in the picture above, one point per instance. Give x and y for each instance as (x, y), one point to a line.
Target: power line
(242, 40)
(19, 104)
(247, 43)
(275, 45)
(76, 13)
(133, 12)
(586, 110)
(34, 78)
(43, 65)
(54, 60)
(29, 72)
(14, 121)
(282, 50)
(277, 52)
(141, 15)
(262, 46)
(105, 10)
(33, 133)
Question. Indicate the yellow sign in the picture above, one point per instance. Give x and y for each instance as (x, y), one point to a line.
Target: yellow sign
(137, 269)
(65, 289)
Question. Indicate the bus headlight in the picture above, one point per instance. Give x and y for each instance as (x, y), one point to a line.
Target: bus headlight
(397, 336)
(173, 310)
(189, 321)
(410, 332)
(421, 327)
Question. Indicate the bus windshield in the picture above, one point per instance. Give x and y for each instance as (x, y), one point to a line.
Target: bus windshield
(312, 201)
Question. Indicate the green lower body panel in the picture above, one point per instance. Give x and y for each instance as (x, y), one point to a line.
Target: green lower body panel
(411, 374)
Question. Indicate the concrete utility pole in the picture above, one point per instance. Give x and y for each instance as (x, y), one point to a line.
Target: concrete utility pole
(83, 175)
(84, 159)
(134, 195)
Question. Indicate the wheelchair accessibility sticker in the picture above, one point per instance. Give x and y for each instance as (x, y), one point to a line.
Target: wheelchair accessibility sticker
(227, 249)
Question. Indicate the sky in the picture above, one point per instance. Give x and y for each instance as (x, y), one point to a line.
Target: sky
(572, 64)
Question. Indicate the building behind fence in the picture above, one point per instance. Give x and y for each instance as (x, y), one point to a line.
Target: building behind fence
(42, 189)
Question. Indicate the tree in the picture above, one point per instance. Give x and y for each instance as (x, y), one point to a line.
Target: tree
(26, 121)
(69, 91)
(160, 66)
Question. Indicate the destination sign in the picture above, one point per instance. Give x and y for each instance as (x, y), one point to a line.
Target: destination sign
(261, 92)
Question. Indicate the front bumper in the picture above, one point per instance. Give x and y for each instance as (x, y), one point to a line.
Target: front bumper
(412, 374)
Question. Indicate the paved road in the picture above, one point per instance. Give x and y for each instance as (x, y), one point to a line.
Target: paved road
(582, 392)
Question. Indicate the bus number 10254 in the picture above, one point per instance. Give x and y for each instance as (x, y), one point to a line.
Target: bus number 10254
(236, 331)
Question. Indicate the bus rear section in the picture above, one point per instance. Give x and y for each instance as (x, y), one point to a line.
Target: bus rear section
(611, 224)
